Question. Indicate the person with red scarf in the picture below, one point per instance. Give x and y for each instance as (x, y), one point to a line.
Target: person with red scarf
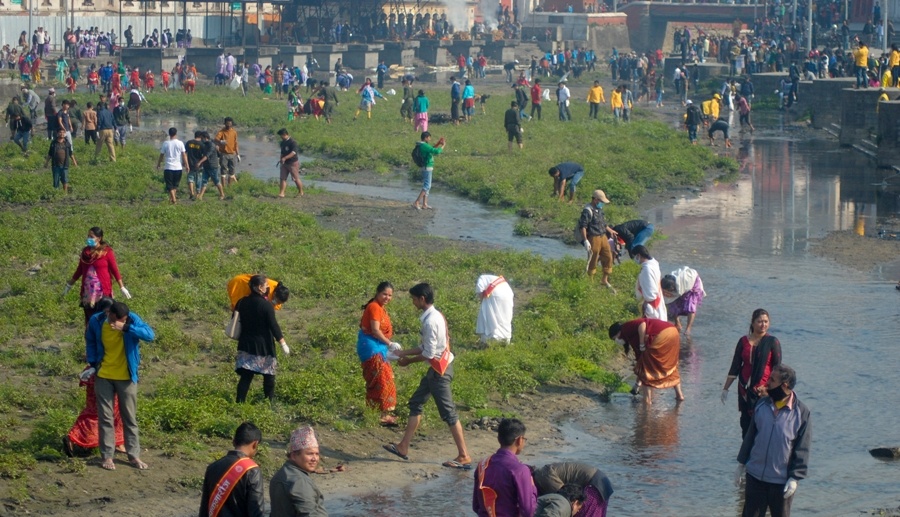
(755, 356)
(96, 268)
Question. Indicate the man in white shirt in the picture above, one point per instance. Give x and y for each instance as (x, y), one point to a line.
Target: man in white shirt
(434, 347)
(648, 288)
(175, 156)
(562, 97)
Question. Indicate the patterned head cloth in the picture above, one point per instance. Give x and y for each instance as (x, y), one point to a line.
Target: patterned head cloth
(303, 438)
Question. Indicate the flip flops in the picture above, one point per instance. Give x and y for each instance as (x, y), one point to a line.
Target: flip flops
(108, 464)
(391, 448)
(453, 464)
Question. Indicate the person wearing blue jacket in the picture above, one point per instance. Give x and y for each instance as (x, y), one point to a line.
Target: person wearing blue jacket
(774, 456)
(113, 351)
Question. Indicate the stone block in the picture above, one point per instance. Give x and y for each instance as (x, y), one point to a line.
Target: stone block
(858, 118)
(825, 96)
(360, 60)
(888, 154)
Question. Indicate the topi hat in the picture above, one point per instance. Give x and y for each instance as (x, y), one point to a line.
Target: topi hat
(303, 438)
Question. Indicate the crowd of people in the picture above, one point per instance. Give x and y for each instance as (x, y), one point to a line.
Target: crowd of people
(502, 484)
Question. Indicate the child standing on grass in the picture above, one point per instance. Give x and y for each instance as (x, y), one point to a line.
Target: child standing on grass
(420, 107)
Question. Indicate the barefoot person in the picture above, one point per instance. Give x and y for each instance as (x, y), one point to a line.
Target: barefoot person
(683, 293)
(656, 345)
(84, 434)
(113, 352)
(373, 344)
(289, 163)
(434, 347)
(427, 152)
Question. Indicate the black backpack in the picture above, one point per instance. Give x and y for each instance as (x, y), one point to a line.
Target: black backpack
(417, 156)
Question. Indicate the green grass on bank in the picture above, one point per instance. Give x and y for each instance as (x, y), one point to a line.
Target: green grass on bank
(625, 160)
(176, 261)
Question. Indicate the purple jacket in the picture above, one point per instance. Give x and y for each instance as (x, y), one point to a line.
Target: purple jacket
(511, 480)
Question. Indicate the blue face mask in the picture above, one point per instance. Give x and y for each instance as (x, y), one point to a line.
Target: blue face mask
(600, 204)
(91, 242)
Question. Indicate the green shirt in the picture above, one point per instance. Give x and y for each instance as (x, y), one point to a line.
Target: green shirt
(428, 153)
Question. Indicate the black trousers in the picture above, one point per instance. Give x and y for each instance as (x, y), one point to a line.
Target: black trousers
(244, 385)
(536, 107)
(760, 496)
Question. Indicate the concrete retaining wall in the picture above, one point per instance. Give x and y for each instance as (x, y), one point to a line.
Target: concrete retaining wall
(888, 154)
(824, 98)
(858, 118)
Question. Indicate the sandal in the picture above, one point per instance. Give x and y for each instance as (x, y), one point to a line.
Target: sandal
(391, 448)
(453, 464)
(108, 464)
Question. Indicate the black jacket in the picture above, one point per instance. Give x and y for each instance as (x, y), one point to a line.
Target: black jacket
(629, 229)
(259, 329)
(247, 497)
(767, 345)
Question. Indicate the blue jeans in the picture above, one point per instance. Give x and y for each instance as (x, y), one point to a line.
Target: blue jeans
(22, 138)
(642, 236)
(574, 182)
(692, 132)
(426, 178)
(861, 79)
(60, 176)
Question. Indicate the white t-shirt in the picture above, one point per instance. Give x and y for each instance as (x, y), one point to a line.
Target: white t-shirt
(173, 150)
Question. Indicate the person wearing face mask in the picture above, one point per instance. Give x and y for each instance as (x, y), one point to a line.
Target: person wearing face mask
(256, 344)
(648, 287)
(592, 230)
(239, 287)
(503, 484)
(96, 268)
(755, 357)
(656, 345)
(774, 455)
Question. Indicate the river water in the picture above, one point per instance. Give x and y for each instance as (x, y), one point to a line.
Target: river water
(749, 239)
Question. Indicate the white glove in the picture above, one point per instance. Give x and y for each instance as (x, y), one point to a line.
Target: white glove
(87, 374)
(286, 349)
(790, 488)
(125, 292)
(391, 357)
(239, 158)
(131, 128)
(67, 288)
(587, 245)
(394, 346)
(723, 396)
(739, 474)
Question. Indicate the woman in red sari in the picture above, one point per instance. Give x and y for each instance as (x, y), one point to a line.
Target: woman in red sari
(84, 434)
(373, 344)
(755, 356)
(656, 345)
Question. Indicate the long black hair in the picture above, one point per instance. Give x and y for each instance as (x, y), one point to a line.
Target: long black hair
(378, 290)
